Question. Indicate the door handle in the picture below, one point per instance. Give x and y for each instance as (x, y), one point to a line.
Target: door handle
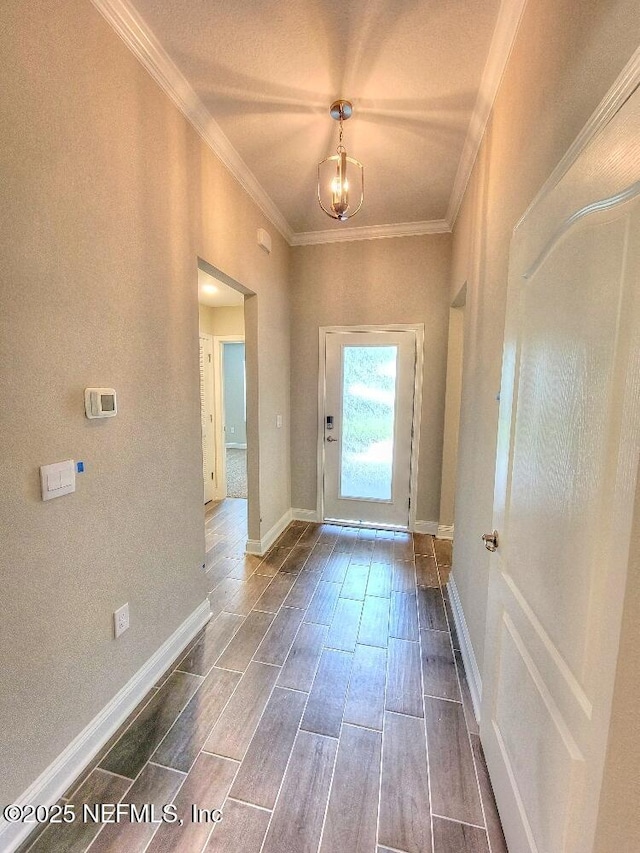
(331, 438)
(490, 540)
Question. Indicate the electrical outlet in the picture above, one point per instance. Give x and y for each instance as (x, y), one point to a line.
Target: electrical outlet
(121, 620)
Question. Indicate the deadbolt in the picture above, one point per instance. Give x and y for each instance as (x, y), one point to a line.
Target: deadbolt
(490, 540)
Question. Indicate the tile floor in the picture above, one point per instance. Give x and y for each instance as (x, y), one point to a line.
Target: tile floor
(324, 708)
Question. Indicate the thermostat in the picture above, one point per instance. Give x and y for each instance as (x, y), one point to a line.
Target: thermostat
(100, 402)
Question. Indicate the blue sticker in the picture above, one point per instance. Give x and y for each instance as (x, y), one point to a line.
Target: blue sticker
(80, 467)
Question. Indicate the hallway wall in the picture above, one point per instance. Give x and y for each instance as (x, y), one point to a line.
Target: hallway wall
(226, 320)
(398, 280)
(109, 198)
(565, 58)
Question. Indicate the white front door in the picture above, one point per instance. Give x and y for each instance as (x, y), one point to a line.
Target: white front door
(567, 464)
(367, 424)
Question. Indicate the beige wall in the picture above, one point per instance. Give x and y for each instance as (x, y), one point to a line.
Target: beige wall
(618, 829)
(400, 280)
(226, 320)
(109, 197)
(453, 398)
(566, 56)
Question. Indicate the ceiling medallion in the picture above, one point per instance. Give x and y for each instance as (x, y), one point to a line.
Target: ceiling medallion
(337, 192)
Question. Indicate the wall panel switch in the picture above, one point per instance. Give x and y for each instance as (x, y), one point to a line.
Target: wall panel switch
(278, 421)
(58, 479)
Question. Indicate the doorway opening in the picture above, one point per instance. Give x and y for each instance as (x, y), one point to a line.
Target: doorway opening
(369, 428)
(230, 372)
(222, 305)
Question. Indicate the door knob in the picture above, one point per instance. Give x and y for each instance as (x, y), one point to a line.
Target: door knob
(331, 438)
(490, 540)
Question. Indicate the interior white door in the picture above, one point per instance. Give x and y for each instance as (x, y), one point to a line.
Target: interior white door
(206, 416)
(566, 470)
(367, 425)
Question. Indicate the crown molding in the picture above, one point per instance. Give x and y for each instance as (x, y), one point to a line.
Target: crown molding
(371, 232)
(134, 31)
(504, 36)
(139, 38)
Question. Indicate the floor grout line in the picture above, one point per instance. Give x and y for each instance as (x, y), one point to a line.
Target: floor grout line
(426, 728)
(384, 713)
(247, 803)
(184, 773)
(453, 651)
(215, 522)
(461, 822)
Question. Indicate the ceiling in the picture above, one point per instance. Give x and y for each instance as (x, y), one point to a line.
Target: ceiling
(267, 72)
(215, 293)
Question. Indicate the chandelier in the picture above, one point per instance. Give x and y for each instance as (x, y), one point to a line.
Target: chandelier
(340, 177)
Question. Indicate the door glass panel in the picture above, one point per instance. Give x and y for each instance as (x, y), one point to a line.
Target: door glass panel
(368, 417)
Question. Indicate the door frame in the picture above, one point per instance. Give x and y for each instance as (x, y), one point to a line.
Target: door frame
(218, 403)
(418, 329)
(212, 441)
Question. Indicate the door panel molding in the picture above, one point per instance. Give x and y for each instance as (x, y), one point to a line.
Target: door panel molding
(546, 646)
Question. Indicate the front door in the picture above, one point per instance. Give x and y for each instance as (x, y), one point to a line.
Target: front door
(367, 425)
(567, 464)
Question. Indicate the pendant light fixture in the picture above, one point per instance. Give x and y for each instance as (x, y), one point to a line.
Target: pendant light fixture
(340, 177)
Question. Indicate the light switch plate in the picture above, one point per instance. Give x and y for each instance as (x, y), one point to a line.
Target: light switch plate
(58, 479)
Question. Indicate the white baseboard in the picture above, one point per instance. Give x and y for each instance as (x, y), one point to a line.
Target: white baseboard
(232, 445)
(261, 546)
(468, 657)
(445, 531)
(430, 527)
(60, 774)
(305, 515)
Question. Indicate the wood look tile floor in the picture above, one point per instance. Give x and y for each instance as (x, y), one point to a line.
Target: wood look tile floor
(324, 709)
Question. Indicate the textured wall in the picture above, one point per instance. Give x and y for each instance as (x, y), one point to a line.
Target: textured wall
(565, 58)
(453, 397)
(369, 282)
(227, 320)
(108, 199)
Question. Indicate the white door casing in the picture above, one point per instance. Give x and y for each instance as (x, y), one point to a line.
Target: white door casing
(373, 484)
(220, 477)
(566, 468)
(206, 416)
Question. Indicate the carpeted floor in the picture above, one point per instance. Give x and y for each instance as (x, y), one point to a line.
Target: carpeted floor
(236, 473)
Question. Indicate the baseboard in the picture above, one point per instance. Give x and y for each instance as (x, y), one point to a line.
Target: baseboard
(305, 515)
(430, 527)
(445, 531)
(235, 446)
(466, 649)
(261, 546)
(61, 773)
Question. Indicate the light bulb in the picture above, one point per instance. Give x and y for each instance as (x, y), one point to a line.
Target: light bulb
(335, 186)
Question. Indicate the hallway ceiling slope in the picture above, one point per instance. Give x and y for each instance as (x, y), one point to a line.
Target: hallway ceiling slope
(257, 79)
